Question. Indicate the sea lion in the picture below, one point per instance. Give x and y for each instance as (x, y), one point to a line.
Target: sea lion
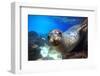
(65, 41)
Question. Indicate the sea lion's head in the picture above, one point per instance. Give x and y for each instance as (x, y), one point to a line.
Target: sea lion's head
(55, 37)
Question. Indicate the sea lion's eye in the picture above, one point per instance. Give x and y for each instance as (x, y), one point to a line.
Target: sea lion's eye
(60, 33)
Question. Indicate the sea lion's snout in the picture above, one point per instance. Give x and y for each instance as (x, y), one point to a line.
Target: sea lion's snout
(55, 36)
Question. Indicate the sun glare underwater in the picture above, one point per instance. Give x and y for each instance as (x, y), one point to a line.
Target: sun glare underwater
(39, 26)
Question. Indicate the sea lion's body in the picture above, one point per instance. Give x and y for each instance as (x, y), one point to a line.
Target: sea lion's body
(66, 41)
(70, 40)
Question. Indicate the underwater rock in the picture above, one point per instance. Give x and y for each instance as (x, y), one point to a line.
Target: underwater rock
(34, 43)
